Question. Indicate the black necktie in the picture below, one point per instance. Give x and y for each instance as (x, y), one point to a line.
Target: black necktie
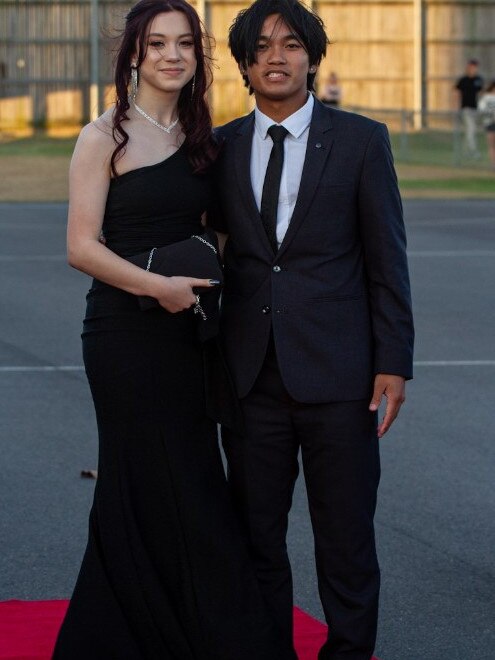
(271, 185)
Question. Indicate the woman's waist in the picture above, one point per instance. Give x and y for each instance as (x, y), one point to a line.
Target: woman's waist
(128, 242)
(111, 309)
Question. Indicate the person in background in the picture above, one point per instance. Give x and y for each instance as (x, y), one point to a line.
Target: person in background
(166, 573)
(316, 322)
(467, 89)
(486, 106)
(332, 91)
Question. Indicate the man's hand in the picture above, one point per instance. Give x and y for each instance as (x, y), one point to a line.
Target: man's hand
(394, 388)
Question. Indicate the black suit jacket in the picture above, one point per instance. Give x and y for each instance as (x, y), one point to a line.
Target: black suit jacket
(337, 292)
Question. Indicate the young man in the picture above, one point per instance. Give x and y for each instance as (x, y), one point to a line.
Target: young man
(316, 321)
(468, 88)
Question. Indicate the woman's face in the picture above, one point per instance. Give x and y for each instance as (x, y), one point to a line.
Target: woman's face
(170, 60)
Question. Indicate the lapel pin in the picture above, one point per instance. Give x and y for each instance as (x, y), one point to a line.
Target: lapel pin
(318, 145)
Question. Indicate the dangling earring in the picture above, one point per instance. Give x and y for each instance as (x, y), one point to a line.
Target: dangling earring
(193, 86)
(134, 82)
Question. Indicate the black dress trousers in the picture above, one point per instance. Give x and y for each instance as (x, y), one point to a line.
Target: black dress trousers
(340, 458)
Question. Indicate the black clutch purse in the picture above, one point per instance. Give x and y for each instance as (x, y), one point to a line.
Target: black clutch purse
(197, 256)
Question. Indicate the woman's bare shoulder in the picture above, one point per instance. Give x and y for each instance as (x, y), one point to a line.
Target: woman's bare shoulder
(99, 131)
(96, 139)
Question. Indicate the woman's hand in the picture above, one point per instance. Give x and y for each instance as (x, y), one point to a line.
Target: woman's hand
(176, 293)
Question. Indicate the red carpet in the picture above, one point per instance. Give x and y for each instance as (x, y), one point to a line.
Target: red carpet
(28, 630)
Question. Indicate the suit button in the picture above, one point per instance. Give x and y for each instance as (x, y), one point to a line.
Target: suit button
(276, 269)
(266, 309)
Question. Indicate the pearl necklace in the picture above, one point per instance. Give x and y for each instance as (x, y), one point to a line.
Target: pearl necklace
(167, 129)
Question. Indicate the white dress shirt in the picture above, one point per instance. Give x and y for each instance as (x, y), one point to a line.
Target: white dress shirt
(294, 154)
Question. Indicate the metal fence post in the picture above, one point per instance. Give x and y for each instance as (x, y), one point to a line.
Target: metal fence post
(94, 89)
(403, 143)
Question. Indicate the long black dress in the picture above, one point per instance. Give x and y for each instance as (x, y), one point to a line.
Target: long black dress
(165, 574)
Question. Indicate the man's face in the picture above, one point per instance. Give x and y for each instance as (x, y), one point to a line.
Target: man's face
(472, 70)
(282, 66)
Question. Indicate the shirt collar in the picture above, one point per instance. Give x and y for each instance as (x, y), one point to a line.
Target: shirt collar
(296, 123)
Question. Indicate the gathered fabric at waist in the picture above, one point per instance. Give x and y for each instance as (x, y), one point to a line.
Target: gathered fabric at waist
(109, 309)
(129, 240)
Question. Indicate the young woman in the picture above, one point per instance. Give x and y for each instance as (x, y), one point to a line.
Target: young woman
(165, 574)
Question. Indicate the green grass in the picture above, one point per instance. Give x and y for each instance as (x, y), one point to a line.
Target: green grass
(468, 185)
(435, 147)
(38, 145)
(423, 149)
(426, 147)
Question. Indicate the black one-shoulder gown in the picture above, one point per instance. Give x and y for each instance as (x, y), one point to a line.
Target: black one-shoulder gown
(165, 574)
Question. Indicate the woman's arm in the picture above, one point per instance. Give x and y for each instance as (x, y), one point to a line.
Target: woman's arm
(89, 181)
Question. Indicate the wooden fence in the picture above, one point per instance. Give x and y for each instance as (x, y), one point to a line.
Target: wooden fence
(396, 54)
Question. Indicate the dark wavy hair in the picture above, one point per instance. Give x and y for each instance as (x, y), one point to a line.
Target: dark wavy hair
(193, 110)
(307, 26)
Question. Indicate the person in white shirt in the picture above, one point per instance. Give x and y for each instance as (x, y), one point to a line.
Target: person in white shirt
(486, 105)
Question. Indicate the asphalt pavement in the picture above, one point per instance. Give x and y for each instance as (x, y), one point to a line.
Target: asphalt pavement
(436, 514)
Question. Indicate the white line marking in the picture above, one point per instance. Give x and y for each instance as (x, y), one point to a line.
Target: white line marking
(16, 369)
(419, 363)
(445, 222)
(451, 253)
(30, 225)
(411, 253)
(32, 257)
(455, 363)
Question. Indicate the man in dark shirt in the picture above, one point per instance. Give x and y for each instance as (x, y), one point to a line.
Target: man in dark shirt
(468, 87)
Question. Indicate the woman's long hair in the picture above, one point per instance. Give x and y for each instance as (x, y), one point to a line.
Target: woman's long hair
(194, 114)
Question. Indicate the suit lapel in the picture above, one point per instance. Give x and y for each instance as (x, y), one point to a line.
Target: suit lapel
(320, 141)
(242, 160)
